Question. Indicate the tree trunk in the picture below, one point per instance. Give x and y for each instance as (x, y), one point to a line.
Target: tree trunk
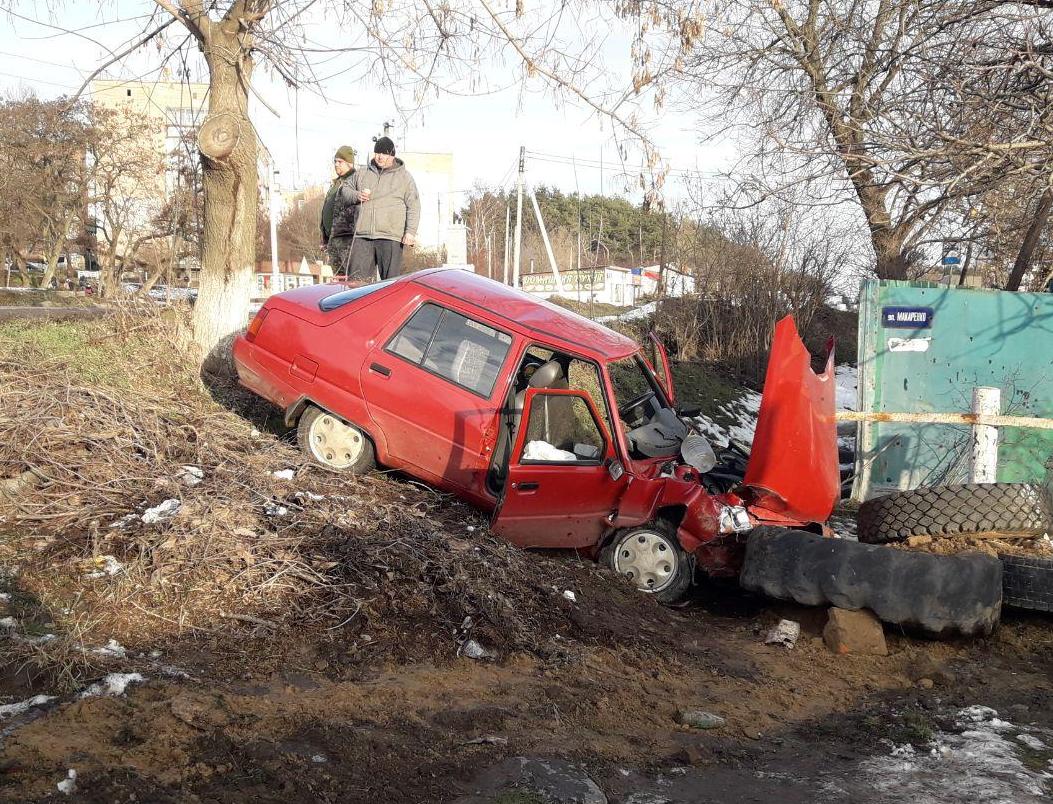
(227, 144)
(1027, 248)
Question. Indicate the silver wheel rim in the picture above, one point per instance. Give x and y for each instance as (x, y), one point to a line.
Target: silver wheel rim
(334, 443)
(648, 559)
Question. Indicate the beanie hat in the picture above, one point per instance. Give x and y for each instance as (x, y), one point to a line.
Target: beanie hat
(384, 146)
(347, 153)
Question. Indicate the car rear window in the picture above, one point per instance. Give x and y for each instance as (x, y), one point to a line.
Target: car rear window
(455, 347)
(338, 300)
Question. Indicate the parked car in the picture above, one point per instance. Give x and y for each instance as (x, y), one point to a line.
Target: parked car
(560, 427)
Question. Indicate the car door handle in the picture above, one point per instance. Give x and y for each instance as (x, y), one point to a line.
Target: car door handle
(383, 371)
(528, 485)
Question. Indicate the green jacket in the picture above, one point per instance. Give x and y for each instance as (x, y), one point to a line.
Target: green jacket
(338, 218)
(393, 210)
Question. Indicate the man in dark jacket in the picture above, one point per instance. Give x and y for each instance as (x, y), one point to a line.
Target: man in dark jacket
(388, 205)
(338, 216)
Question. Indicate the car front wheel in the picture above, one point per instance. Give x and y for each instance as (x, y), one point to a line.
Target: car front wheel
(652, 558)
(334, 443)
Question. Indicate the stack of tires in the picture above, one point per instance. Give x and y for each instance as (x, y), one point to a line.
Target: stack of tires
(1006, 510)
(942, 595)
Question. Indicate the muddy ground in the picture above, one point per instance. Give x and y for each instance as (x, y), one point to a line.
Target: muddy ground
(289, 717)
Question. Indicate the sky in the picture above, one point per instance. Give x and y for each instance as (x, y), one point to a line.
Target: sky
(569, 145)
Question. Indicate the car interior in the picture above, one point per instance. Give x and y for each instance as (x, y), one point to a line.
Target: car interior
(560, 430)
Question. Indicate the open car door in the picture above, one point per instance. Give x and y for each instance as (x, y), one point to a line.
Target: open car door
(793, 470)
(661, 367)
(559, 490)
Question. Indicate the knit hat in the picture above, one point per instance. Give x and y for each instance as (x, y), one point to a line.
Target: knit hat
(347, 153)
(384, 146)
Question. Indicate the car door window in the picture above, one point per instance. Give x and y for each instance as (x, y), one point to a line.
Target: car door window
(562, 429)
(453, 346)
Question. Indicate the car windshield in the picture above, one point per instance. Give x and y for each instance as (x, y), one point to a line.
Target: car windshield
(634, 391)
(653, 430)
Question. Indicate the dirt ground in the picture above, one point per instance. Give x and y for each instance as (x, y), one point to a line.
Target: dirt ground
(282, 717)
(303, 636)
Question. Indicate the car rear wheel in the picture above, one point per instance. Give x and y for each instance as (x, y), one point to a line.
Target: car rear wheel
(334, 443)
(652, 558)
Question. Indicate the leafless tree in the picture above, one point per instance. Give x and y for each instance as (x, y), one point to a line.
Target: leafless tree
(855, 97)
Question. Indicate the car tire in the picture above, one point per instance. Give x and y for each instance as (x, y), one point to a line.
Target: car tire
(1027, 582)
(334, 443)
(652, 558)
(970, 508)
(940, 595)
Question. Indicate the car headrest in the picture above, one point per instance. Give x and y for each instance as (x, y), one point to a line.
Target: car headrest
(546, 375)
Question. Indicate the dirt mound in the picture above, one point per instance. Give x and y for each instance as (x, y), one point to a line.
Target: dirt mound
(137, 507)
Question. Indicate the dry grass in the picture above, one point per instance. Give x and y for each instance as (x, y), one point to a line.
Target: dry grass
(97, 422)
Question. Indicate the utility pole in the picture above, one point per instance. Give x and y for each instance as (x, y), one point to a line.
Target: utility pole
(548, 245)
(275, 276)
(661, 257)
(516, 259)
(508, 238)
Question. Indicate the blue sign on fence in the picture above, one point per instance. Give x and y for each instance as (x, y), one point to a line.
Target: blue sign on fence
(907, 317)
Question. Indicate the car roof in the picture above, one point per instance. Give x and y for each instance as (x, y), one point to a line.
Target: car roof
(527, 314)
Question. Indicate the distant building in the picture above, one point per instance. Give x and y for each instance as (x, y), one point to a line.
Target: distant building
(291, 274)
(622, 287)
(176, 108)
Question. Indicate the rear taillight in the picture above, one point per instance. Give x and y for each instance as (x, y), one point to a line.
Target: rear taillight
(257, 323)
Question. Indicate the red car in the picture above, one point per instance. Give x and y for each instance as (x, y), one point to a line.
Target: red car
(560, 427)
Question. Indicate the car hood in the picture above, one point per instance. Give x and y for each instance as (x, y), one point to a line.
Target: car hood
(793, 470)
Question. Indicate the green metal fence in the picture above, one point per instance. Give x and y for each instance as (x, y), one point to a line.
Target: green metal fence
(923, 347)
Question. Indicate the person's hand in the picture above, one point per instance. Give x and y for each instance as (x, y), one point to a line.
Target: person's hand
(409, 240)
(364, 195)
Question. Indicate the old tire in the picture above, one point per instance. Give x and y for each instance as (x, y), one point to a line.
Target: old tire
(1027, 582)
(940, 595)
(333, 443)
(970, 508)
(652, 558)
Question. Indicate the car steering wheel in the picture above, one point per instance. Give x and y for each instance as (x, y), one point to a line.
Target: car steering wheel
(623, 411)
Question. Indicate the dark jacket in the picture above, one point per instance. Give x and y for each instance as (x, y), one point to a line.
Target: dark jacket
(394, 208)
(338, 216)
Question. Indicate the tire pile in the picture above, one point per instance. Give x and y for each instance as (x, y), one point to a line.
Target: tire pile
(1018, 512)
(941, 595)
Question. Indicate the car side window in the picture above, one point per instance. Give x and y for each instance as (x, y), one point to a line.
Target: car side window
(453, 346)
(561, 429)
(412, 340)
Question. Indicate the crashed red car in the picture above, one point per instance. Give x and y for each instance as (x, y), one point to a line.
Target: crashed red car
(560, 427)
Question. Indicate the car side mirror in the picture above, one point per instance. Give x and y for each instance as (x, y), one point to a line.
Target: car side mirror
(615, 469)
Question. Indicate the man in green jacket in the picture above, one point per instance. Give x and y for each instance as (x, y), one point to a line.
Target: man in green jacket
(388, 205)
(338, 216)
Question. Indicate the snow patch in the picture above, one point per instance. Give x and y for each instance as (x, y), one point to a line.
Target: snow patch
(112, 684)
(284, 474)
(8, 622)
(112, 649)
(69, 784)
(976, 764)
(10, 710)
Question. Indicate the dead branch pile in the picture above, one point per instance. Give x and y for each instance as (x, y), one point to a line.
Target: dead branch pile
(102, 422)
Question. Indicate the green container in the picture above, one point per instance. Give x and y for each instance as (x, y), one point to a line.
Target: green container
(923, 347)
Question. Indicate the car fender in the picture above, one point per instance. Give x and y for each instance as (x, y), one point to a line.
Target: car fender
(644, 501)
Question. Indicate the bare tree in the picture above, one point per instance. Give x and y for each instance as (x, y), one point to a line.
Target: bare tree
(42, 147)
(126, 181)
(855, 97)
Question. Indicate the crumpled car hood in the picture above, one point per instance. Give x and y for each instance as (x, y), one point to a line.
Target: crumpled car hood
(793, 471)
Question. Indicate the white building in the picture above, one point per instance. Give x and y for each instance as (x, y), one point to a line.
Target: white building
(433, 173)
(622, 287)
